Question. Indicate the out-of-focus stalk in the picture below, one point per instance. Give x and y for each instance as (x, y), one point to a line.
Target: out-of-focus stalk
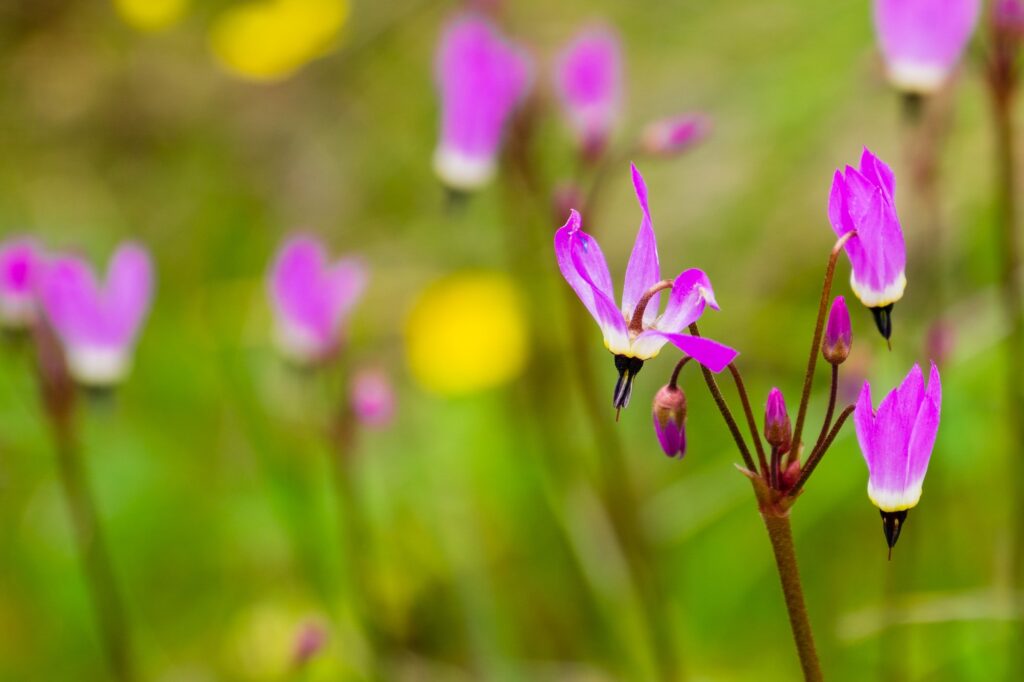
(58, 398)
(1003, 78)
(615, 489)
(354, 534)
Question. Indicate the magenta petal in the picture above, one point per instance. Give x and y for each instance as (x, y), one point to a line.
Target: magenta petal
(583, 266)
(691, 291)
(878, 172)
(864, 421)
(129, 291)
(643, 270)
(71, 299)
(925, 429)
(712, 354)
(299, 299)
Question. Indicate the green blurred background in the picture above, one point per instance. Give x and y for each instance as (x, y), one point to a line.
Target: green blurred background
(489, 554)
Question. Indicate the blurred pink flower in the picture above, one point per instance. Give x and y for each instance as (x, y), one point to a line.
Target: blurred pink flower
(671, 136)
(588, 80)
(311, 638)
(98, 323)
(312, 298)
(19, 269)
(373, 399)
(481, 77)
(922, 40)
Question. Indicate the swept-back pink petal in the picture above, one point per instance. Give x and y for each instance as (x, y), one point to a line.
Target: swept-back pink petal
(583, 266)
(643, 270)
(691, 291)
(712, 354)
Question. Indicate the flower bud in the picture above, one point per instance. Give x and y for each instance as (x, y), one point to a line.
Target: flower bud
(670, 420)
(838, 334)
(373, 399)
(777, 429)
(671, 136)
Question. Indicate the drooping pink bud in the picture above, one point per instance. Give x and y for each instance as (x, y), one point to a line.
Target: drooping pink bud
(777, 429)
(669, 413)
(19, 271)
(835, 346)
(373, 399)
(671, 136)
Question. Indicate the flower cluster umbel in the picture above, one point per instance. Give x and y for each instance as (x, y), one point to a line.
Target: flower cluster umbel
(896, 440)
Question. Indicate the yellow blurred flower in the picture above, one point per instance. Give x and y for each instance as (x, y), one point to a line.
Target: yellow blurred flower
(271, 39)
(150, 15)
(467, 332)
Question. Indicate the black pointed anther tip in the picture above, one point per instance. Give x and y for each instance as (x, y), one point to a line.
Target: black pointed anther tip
(628, 368)
(892, 525)
(883, 320)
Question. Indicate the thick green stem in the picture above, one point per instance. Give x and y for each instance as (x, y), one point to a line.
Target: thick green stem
(781, 536)
(98, 569)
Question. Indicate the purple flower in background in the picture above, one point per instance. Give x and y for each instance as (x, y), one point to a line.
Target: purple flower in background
(897, 443)
(669, 412)
(311, 298)
(862, 200)
(635, 332)
(98, 323)
(373, 399)
(481, 78)
(671, 136)
(838, 339)
(922, 40)
(588, 79)
(19, 269)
